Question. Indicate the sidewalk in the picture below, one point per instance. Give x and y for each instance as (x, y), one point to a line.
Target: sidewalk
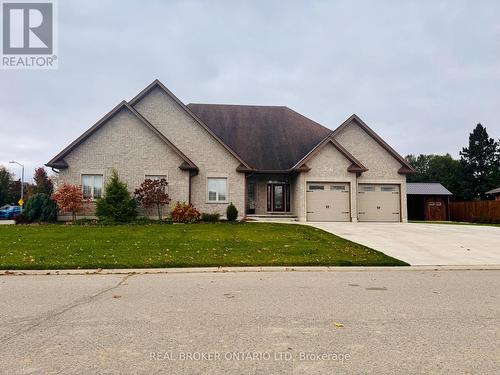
(125, 271)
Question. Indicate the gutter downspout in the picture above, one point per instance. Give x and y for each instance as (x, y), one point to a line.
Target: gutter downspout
(191, 174)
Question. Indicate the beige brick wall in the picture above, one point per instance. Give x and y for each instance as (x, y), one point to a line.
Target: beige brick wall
(328, 165)
(193, 140)
(382, 167)
(127, 145)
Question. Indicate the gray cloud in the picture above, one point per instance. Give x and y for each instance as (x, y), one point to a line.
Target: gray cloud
(421, 73)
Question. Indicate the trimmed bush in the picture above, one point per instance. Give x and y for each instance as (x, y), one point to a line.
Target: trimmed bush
(117, 206)
(20, 219)
(40, 207)
(231, 212)
(184, 213)
(210, 218)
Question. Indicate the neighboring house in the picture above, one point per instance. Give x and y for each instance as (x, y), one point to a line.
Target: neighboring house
(266, 160)
(428, 201)
(495, 193)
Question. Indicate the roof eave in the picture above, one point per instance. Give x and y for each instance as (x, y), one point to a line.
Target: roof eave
(58, 164)
(405, 170)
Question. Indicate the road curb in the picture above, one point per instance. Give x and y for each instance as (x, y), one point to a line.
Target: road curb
(148, 271)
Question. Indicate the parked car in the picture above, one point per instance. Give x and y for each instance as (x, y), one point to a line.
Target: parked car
(8, 211)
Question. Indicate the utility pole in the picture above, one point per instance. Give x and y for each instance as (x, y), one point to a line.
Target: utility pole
(22, 181)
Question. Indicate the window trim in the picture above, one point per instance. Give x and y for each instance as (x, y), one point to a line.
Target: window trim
(227, 189)
(92, 197)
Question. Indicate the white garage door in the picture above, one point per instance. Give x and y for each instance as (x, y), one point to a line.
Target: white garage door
(328, 201)
(378, 202)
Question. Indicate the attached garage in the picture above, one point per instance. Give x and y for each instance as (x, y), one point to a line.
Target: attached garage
(379, 202)
(328, 201)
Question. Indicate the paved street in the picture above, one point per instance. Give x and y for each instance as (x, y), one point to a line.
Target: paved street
(425, 244)
(386, 322)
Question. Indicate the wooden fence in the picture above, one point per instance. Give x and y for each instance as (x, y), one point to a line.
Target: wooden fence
(475, 211)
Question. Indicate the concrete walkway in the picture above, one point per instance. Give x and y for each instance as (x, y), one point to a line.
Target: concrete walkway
(425, 244)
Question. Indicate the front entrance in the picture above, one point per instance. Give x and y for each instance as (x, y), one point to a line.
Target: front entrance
(278, 197)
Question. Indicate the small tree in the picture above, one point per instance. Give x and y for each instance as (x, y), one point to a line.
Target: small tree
(231, 212)
(153, 193)
(42, 182)
(5, 182)
(117, 204)
(69, 198)
(39, 207)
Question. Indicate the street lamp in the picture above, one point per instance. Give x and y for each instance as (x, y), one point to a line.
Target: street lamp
(22, 178)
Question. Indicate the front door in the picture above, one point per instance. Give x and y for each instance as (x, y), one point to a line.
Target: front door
(278, 197)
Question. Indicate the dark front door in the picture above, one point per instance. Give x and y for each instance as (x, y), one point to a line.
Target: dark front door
(278, 197)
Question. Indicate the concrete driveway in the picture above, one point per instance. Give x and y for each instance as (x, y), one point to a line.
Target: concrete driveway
(425, 244)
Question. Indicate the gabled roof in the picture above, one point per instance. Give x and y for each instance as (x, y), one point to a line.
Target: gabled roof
(494, 191)
(406, 167)
(59, 162)
(356, 165)
(268, 138)
(157, 84)
(426, 188)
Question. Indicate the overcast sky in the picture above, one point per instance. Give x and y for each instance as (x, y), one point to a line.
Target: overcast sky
(421, 73)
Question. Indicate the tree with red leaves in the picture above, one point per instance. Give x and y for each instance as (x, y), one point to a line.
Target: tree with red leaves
(69, 198)
(153, 193)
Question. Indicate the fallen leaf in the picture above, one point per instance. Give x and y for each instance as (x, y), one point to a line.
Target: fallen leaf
(337, 324)
(117, 296)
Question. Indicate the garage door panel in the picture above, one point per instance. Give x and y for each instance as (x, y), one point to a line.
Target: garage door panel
(377, 202)
(328, 201)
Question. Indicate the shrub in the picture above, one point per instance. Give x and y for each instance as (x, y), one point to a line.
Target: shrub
(20, 219)
(231, 212)
(117, 205)
(152, 193)
(210, 218)
(184, 213)
(40, 207)
(69, 198)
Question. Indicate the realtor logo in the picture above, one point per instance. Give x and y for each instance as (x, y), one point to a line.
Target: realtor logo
(28, 35)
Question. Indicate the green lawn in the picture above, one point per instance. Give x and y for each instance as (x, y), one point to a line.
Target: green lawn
(179, 245)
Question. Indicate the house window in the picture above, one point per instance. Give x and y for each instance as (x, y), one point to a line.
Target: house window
(387, 188)
(155, 177)
(367, 188)
(217, 189)
(92, 186)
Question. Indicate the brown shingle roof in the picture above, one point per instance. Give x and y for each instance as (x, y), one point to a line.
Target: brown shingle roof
(265, 137)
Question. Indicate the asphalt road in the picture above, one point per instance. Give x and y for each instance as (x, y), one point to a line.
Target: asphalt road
(386, 322)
